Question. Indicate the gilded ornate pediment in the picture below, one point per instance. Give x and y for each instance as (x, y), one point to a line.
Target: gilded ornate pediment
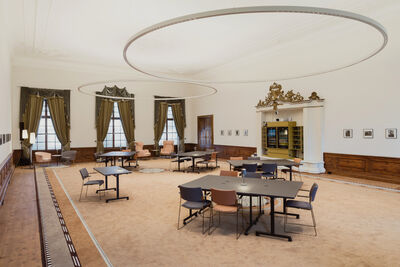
(276, 96)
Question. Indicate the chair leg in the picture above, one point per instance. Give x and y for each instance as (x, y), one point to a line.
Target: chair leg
(285, 220)
(99, 192)
(315, 225)
(179, 214)
(237, 224)
(81, 193)
(86, 190)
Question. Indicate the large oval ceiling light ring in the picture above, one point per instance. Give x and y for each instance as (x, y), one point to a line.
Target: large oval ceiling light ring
(260, 9)
(83, 89)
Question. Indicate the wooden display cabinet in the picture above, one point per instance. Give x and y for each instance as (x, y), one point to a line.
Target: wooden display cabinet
(282, 139)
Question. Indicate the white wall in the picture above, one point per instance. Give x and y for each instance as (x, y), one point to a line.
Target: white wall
(363, 96)
(5, 83)
(53, 75)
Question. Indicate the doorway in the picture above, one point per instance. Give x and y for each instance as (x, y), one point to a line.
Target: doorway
(205, 132)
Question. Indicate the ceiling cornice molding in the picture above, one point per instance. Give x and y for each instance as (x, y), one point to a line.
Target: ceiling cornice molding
(32, 62)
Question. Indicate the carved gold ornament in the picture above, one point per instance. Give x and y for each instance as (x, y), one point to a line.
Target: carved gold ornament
(277, 96)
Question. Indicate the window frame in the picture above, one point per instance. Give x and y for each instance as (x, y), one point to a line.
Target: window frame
(166, 128)
(112, 122)
(46, 117)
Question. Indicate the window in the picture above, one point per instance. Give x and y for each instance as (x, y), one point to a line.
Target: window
(169, 132)
(46, 138)
(115, 136)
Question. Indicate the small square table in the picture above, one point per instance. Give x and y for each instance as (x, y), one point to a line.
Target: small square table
(112, 171)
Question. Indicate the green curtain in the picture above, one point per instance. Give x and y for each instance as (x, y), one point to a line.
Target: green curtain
(127, 123)
(102, 123)
(179, 124)
(31, 118)
(160, 123)
(58, 116)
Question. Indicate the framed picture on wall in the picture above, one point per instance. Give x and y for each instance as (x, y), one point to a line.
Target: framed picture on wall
(246, 132)
(237, 132)
(391, 133)
(347, 133)
(368, 133)
(222, 132)
(229, 132)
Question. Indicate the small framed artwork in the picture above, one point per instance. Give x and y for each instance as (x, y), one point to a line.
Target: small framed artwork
(391, 133)
(237, 132)
(222, 132)
(347, 133)
(368, 133)
(229, 132)
(246, 132)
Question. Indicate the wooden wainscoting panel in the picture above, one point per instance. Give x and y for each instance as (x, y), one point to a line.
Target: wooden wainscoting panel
(385, 169)
(6, 172)
(351, 164)
(225, 152)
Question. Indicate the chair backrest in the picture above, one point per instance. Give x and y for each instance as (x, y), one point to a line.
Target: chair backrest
(168, 146)
(297, 160)
(139, 146)
(268, 167)
(223, 197)
(253, 158)
(253, 175)
(229, 173)
(125, 150)
(191, 194)
(69, 154)
(236, 158)
(313, 191)
(84, 173)
(214, 155)
(252, 167)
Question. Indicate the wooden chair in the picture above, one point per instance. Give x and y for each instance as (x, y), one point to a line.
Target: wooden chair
(225, 201)
(229, 173)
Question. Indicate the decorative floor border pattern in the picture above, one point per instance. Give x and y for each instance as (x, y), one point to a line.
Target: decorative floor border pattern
(70, 245)
(96, 243)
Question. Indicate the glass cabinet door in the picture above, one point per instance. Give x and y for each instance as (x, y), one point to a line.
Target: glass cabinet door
(271, 137)
(283, 137)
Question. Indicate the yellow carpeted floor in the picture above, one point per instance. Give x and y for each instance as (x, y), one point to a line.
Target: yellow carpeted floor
(357, 226)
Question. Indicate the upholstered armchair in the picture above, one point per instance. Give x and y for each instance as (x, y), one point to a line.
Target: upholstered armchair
(42, 157)
(168, 148)
(140, 152)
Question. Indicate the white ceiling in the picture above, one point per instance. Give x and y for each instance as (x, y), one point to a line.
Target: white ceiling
(95, 31)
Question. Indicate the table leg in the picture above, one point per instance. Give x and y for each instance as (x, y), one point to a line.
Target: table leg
(290, 173)
(272, 232)
(106, 186)
(122, 162)
(287, 213)
(192, 164)
(179, 164)
(110, 199)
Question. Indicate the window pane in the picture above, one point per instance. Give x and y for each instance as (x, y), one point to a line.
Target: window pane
(41, 146)
(46, 127)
